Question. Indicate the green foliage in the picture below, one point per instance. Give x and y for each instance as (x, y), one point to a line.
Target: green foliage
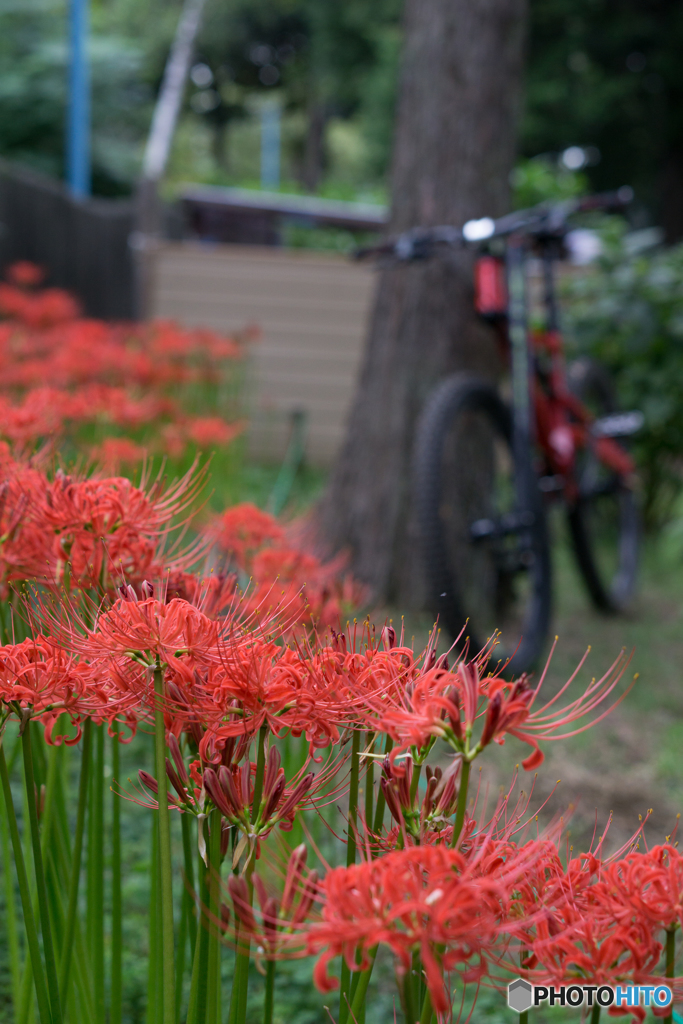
(33, 91)
(628, 314)
(610, 75)
(540, 179)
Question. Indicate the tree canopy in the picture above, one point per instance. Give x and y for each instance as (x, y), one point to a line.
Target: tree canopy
(604, 75)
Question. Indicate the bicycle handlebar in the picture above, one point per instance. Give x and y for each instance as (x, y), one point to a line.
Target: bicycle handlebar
(547, 220)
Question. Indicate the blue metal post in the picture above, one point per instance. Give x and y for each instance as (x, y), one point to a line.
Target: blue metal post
(78, 112)
(270, 145)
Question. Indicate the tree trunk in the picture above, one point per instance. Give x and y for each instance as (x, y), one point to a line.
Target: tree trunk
(453, 153)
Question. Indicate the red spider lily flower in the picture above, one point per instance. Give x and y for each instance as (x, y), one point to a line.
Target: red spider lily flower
(108, 528)
(448, 704)
(243, 530)
(25, 274)
(647, 885)
(257, 545)
(425, 899)
(149, 631)
(209, 430)
(115, 452)
(583, 943)
(38, 675)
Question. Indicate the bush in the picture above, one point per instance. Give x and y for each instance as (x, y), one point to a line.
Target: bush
(627, 312)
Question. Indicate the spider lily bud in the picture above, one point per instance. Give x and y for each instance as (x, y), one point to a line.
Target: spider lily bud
(389, 637)
(339, 641)
(391, 800)
(270, 921)
(492, 719)
(245, 781)
(456, 724)
(297, 795)
(174, 747)
(275, 796)
(230, 789)
(306, 902)
(215, 791)
(239, 891)
(175, 781)
(147, 589)
(295, 869)
(272, 771)
(148, 781)
(127, 592)
(442, 662)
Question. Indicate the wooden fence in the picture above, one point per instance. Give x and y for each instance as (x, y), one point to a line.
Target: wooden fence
(84, 245)
(312, 309)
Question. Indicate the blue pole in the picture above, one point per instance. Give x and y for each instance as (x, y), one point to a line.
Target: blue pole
(78, 113)
(270, 144)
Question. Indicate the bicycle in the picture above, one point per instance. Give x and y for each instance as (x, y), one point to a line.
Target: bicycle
(485, 470)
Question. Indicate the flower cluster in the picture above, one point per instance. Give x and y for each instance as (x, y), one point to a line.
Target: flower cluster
(123, 377)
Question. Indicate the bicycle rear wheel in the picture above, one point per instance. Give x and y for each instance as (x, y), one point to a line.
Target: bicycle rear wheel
(486, 554)
(604, 522)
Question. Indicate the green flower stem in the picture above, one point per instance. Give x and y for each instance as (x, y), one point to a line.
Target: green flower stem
(345, 979)
(369, 781)
(213, 974)
(181, 948)
(11, 915)
(595, 1014)
(427, 1011)
(381, 803)
(408, 998)
(260, 771)
(196, 1013)
(186, 823)
(25, 1010)
(670, 961)
(166, 879)
(241, 978)
(153, 961)
(27, 907)
(116, 1008)
(96, 871)
(43, 906)
(462, 803)
(361, 988)
(77, 856)
(188, 920)
(83, 976)
(524, 1017)
(269, 998)
(417, 771)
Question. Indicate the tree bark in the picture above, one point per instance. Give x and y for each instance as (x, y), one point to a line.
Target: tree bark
(453, 153)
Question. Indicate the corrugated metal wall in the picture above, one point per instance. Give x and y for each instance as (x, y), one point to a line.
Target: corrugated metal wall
(83, 244)
(312, 309)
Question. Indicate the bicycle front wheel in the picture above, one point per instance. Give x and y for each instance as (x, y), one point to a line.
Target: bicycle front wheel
(486, 552)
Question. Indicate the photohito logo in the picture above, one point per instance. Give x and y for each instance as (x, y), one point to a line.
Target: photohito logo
(522, 995)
